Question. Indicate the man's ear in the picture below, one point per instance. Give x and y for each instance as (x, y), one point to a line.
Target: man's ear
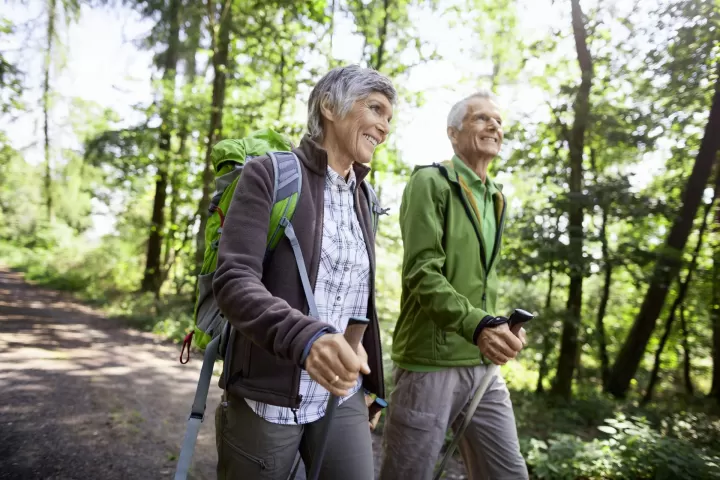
(326, 111)
(452, 134)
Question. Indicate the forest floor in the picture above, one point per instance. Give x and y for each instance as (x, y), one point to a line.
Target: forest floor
(84, 397)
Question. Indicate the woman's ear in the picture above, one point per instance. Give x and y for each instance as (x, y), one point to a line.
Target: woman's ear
(326, 110)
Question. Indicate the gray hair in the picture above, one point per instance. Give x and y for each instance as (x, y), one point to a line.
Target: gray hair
(459, 110)
(341, 87)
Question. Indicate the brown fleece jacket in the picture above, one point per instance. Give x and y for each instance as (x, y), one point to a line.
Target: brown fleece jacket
(265, 303)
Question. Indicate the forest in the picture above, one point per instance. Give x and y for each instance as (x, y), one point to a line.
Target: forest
(611, 166)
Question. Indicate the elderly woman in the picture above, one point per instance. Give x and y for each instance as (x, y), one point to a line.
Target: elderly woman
(287, 363)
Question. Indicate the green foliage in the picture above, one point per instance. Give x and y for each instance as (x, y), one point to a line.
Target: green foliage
(632, 449)
(10, 76)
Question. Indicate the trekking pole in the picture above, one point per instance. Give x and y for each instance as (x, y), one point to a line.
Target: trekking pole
(518, 316)
(353, 334)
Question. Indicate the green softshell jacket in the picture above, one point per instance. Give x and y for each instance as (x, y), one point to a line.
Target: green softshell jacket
(449, 281)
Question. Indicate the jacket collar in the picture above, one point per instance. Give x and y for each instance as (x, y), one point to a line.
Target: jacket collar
(315, 159)
(453, 177)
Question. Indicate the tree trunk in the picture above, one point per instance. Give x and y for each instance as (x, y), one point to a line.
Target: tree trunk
(220, 67)
(382, 37)
(682, 291)
(715, 307)
(52, 10)
(689, 388)
(547, 341)
(600, 326)
(152, 279)
(669, 260)
(567, 360)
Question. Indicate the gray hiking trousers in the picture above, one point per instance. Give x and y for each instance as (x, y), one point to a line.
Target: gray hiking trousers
(251, 448)
(422, 407)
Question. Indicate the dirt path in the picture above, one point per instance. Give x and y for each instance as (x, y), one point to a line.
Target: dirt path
(82, 397)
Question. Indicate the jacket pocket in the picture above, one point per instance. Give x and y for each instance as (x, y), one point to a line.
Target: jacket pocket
(440, 336)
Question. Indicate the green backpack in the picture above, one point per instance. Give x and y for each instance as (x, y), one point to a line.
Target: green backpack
(212, 332)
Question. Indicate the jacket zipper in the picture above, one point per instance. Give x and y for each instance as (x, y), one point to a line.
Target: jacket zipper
(374, 325)
(498, 237)
(498, 233)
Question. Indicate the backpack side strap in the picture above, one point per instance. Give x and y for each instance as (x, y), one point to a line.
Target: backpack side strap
(374, 205)
(197, 412)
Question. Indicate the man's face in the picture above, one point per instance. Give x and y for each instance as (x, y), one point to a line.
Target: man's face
(481, 133)
(365, 126)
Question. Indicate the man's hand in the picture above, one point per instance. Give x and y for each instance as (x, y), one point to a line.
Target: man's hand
(334, 365)
(519, 332)
(499, 344)
(374, 420)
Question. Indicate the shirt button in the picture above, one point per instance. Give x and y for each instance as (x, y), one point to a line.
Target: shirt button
(338, 298)
(347, 269)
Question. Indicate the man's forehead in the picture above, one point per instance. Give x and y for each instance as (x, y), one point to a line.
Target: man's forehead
(485, 105)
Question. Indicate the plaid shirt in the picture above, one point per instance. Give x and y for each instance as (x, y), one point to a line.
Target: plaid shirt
(342, 290)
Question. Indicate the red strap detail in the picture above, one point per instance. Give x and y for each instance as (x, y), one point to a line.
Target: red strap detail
(186, 343)
(222, 215)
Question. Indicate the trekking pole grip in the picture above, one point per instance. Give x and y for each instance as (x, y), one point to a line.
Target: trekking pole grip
(353, 335)
(355, 331)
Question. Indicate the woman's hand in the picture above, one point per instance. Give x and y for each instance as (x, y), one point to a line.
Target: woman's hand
(374, 420)
(334, 365)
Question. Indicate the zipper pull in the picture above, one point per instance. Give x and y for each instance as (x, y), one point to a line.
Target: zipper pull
(295, 415)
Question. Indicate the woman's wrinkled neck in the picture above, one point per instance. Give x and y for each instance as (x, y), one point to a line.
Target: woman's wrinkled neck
(338, 159)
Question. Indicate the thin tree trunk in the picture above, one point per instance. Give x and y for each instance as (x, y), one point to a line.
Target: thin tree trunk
(567, 360)
(678, 302)
(669, 260)
(547, 341)
(600, 326)
(153, 277)
(282, 85)
(179, 171)
(220, 67)
(52, 11)
(689, 388)
(377, 62)
(382, 36)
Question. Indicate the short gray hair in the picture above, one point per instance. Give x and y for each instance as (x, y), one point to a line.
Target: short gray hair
(458, 111)
(341, 87)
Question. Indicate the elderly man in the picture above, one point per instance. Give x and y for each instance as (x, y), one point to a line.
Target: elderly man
(451, 219)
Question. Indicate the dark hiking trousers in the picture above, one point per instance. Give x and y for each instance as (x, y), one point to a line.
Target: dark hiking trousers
(251, 448)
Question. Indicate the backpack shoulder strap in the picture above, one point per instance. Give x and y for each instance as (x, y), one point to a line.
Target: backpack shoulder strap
(288, 185)
(286, 192)
(373, 205)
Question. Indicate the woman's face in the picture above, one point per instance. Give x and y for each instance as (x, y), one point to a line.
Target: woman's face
(365, 126)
